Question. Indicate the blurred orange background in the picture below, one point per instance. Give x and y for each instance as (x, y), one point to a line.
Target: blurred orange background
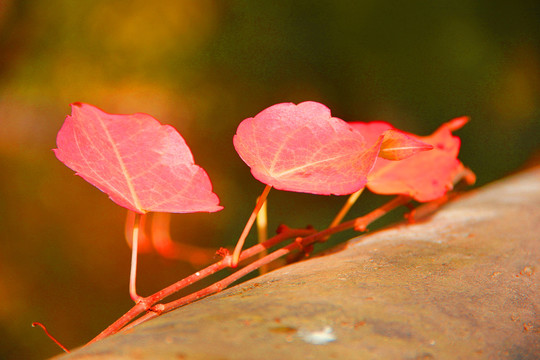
(204, 66)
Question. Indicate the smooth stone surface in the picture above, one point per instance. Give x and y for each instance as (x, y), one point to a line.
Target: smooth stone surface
(460, 285)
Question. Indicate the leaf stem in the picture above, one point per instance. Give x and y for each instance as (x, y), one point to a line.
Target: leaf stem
(358, 223)
(351, 200)
(262, 232)
(145, 303)
(304, 238)
(249, 224)
(346, 207)
(34, 324)
(134, 250)
(361, 223)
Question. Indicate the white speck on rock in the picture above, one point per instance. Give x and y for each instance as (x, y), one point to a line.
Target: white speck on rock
(321, 337)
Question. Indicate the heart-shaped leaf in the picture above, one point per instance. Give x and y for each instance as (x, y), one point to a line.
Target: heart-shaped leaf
(141, 164)
(303, 148)
(425, 176)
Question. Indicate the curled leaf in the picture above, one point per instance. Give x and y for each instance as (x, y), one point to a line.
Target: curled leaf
(425, 176)
(397, 145)
(141, 164)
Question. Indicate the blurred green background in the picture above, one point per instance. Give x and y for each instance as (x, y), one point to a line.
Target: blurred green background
(204, 66)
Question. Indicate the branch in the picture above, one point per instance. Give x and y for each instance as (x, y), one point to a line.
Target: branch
(146, 303)
(359, 223)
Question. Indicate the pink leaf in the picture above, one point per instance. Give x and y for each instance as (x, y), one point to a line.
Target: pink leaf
(425, 176)
(303, 148)
(141, 164)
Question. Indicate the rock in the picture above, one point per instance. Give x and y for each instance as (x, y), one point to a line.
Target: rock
(460, 285)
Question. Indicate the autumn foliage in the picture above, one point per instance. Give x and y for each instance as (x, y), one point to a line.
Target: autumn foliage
(426, 176)
(141, 164)
(145, 166)
(303, 148)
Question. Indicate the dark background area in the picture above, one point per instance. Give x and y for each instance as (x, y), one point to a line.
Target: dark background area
(204, 66)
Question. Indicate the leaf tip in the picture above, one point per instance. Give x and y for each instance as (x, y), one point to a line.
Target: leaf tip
(457, 123)
(76, 107)
(397, 145)
(215, 208)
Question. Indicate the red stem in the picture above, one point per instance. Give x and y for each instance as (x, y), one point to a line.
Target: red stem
(145, 303)
(249, 224)
(34, 324)
(134, 253)
(358, 223)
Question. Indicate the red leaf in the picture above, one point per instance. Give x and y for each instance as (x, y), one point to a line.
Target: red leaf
(141, 164)
(303, 148)
(425, 176)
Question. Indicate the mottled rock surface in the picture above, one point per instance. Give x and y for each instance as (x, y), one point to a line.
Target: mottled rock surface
(460, 285)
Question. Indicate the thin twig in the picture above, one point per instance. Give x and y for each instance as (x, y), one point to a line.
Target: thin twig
(145, 303)
(262, 232)
(249, 224)
(34, 324)
(346, 207)
(359, 223)
(134, 249)
(309, 237)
